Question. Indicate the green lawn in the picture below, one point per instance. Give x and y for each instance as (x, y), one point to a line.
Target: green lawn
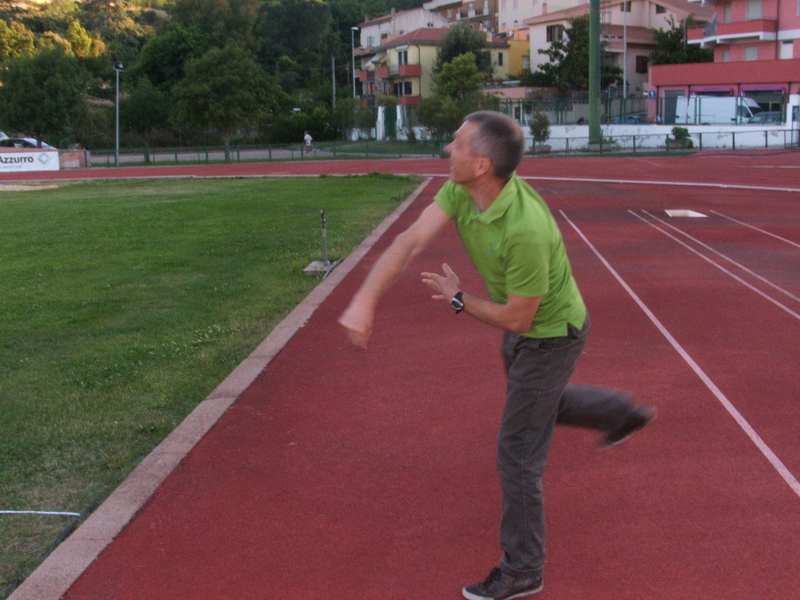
(123, 304)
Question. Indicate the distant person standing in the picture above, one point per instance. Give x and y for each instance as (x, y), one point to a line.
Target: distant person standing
(307, 139)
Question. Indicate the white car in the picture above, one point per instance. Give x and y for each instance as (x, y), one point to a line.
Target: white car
(8, 142)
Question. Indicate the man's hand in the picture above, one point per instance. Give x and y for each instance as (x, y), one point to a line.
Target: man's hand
(445, 286)
(357, 322)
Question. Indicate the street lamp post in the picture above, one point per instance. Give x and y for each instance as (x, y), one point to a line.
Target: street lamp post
(117, 68)
(353, 52)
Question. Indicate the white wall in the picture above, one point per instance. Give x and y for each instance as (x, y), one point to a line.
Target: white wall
(576, 137)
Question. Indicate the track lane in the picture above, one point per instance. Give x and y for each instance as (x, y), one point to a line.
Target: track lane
(374, 472)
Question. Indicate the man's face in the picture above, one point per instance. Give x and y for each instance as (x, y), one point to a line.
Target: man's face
(463, 164)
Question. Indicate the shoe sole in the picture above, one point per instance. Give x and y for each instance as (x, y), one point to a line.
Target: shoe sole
(471, 596)
(604, 443)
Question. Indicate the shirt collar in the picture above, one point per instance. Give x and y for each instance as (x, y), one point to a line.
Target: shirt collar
(500, 205)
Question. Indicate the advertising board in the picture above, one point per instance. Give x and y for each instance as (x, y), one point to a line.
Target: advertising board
(16, 161)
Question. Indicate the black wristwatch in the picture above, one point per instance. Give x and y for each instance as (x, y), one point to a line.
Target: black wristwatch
(457, 302)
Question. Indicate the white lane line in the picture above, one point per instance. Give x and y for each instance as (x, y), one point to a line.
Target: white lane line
(40, 512)
(723, 256)
(720, 267)
(726, 186)
(737, 416)
(777, 237)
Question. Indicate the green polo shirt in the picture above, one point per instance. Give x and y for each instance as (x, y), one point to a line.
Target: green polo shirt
(518, 249)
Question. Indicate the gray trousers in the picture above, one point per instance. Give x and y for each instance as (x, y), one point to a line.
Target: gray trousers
(538, 397)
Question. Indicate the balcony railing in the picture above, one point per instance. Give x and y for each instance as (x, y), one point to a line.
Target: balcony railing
(763, 29)
(410, 100)
(400, 71)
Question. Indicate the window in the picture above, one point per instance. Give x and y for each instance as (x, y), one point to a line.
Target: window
(751, 53)
(660, 9)
(516, 4)
(503, 5)
(402, 57)
(499, 59)
(402, 88)
(753, 10)
(787, 49)
(555, 33)
(727, 13)
(641, 64)
(726, 56)
(625, 7)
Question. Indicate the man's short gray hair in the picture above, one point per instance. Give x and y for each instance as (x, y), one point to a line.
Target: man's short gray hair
(498, 138)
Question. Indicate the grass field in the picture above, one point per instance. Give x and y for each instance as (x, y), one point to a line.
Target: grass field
(123, 304)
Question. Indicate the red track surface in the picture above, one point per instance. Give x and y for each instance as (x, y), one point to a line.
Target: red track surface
(371, 475)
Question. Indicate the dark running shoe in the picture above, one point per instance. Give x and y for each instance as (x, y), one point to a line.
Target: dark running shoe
(500, 586)
(638, 418)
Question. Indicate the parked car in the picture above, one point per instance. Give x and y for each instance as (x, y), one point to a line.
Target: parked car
(767, 117)
(631, 120)
(23, 143)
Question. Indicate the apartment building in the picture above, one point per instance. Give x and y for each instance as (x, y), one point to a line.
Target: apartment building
(756, 47)
(751, 30)
(480, 14)
(403, 65)
(626, 28)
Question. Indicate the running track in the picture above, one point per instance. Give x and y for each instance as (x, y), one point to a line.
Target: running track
(338, 474)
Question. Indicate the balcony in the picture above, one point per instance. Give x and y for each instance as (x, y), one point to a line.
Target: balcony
(719, 33)
(401, 71)
(410, 100)
(365, 76)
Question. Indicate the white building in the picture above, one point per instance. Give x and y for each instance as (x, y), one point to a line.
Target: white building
(626, 28)
(382, 30)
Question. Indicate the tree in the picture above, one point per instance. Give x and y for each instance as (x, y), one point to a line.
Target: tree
(442, 116)
(223, 21)
(145, 108)
(460, 78)
(15, 40)
(292, 28)
(83, 45)
(462, 39)
(42, 94)
(568, 67)
(672, 47)
(457, 94)
(225, 89)
(163, 58)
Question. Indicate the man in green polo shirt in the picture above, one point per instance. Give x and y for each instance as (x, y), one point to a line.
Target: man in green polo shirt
(514, 242)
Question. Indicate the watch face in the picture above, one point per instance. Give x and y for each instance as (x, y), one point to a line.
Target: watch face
(457, 304)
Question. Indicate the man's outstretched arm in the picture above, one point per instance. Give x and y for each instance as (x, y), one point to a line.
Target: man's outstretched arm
(359, 316)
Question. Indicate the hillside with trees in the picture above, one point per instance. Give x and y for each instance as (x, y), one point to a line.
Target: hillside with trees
(194, 71)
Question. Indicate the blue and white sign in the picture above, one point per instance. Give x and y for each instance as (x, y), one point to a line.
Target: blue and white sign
(28, 160)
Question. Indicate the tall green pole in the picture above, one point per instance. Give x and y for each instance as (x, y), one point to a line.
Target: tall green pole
(595, 134)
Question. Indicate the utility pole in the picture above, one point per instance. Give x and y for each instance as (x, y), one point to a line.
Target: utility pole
(333, 79)
(595, 133)
(117, 68)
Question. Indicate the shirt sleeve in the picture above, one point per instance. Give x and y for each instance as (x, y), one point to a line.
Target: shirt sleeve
(447, 199)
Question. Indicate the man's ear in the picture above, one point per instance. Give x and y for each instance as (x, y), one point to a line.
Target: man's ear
(485, 165)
